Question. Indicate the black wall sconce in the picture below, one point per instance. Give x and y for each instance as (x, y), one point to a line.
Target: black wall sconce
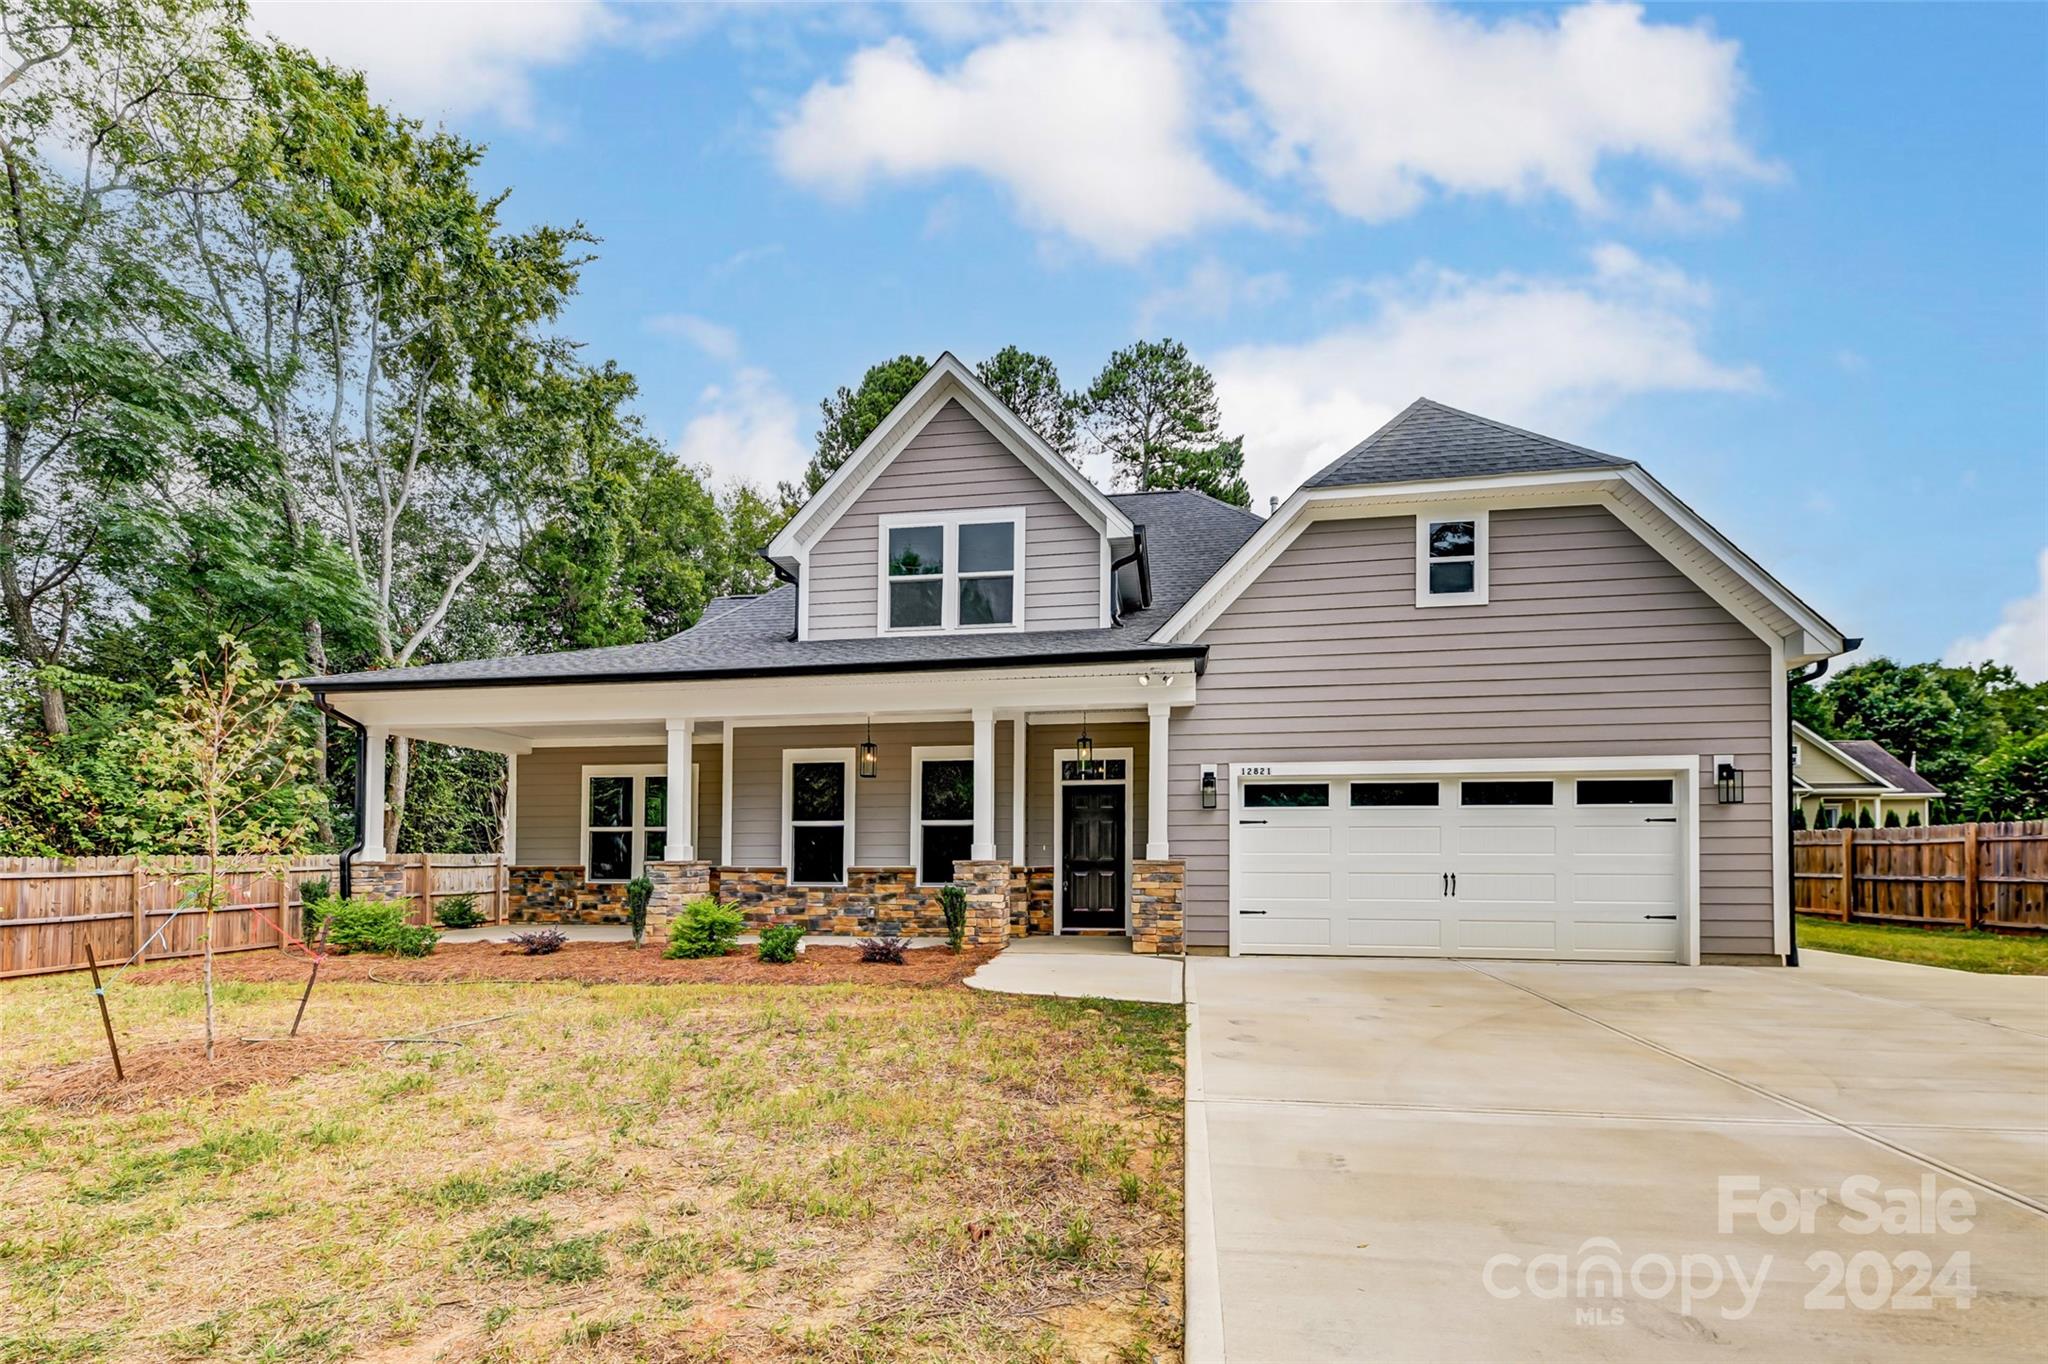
(1208, 788)
(1084, 747)
(867, 751)
(1728, 783)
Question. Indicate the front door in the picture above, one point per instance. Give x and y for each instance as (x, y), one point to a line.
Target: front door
(1092, 842)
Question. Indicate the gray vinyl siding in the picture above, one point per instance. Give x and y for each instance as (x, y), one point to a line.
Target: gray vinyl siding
(550, 821)
(955, 464)
(1039, 783)
(881, 805)
(1592, 644)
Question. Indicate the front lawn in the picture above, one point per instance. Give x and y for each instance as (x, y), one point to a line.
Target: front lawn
(669, 1172)
(1994, 953)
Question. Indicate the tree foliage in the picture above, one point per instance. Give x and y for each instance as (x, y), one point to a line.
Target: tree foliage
(851, 414)
(1029, 385)
(1153, 409)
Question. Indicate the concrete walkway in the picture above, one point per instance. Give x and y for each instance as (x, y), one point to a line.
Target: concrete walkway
(1076, 968)
(1380, 1154)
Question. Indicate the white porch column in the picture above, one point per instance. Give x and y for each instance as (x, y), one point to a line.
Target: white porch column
(509, 838)
(984, 847)
(372, 777)
(681, 799)
(1020, 734)
(1159, 712)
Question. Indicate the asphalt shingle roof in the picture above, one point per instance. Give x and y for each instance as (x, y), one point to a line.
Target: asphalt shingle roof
(1188, 536)
(1878, 759)
(1428, 440)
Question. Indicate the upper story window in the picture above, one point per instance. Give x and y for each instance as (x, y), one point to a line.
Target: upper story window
(952, 571)
(1450, 558)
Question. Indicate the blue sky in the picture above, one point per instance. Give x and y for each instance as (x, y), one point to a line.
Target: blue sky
(1793, 258)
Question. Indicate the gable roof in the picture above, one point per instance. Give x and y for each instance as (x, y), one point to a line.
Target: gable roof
(1428, 440)
(947, 379)
(1188, 536)
(1873, 755)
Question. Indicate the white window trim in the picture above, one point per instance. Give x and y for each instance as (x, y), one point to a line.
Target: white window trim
(918, 757)
(639, 772)
(1482, 535)
(948, 524)
(790, 758)
(1059, 825)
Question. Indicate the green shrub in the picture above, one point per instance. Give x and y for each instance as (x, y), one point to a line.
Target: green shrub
(458, 911)
(953, 900)
(359, 925)
(1798, 818)
(639, 893)
(1864, 821)
(1891, 819)
(705, 928)
(1913, 820)
(778, 942)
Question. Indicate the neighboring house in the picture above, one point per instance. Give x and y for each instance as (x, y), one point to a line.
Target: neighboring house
(1837, 781)
(1469, 692)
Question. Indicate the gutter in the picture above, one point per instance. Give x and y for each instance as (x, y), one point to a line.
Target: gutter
(1813, 672)
(322, 686)
(349, 854)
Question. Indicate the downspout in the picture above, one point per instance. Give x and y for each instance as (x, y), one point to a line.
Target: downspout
(348, 854)
(797, 617)
(1136, 556)
(1811, 673)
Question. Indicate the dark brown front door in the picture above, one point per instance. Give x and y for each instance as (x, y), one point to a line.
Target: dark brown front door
(1092, 842)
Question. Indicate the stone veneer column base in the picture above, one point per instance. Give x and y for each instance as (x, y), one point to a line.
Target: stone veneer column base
(1156, 890)
(675, 885)
(988, 901)
(376, 880)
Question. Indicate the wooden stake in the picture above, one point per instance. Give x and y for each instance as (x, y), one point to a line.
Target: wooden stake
(319, 951)
(100, 993)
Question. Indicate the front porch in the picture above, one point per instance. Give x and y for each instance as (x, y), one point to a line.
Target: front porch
(1054, 820)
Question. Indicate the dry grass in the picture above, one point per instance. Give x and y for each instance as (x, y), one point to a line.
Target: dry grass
(681, 1172)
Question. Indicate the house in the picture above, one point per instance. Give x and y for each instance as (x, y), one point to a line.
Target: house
(1838, 781)
(1469, 691)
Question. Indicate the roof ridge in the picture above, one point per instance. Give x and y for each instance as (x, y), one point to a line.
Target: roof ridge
(1384, 427)
(1499, 425)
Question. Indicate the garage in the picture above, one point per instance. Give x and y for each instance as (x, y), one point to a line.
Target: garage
(1577, 864)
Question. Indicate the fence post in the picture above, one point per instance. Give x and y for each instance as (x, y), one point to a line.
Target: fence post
(1971, 908)
(141, 915)
(1848, 872)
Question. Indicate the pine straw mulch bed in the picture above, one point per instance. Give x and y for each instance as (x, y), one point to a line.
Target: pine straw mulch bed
(585, 963)
(179, 1071)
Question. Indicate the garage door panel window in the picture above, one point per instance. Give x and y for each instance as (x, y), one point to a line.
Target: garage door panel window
(1625, 791)
(1499, 793)
(1287, 795)
(1391, 794)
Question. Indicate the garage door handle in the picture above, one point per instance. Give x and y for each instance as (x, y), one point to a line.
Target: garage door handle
(1661, 819)
(1251, 911)
(1251, 821)
(1660, 916)
(1447, 883)
(1454, 885)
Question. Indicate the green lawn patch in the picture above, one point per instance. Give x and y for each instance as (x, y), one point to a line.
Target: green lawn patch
(2002, 954)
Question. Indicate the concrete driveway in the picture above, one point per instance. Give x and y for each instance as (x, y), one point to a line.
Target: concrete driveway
(1444, 1160)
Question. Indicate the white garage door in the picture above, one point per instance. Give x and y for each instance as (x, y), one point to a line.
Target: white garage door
(1572, 866)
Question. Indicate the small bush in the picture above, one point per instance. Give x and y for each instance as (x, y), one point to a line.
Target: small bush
(1891, 820)
(705, 928)
(953, 900)
(1798, 818)
(1913, 820)
(358, 925)
(887, 946)
(779, 942)
(458, 911)
(539, 942)
(639, 894)
(1864, 821)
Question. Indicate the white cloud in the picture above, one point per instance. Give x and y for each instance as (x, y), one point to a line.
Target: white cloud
(1381, 105)
(443, 58)
(1086, 118)
(1545, 352)
(716, 340)
(745, 429)
(2019, 640)
(1211, 291)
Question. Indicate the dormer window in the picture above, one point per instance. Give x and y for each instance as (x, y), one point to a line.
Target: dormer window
(1450, 558)
(951, 571)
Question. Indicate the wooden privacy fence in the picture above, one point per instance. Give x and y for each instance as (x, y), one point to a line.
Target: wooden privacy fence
(1941, 875)
(51, 907)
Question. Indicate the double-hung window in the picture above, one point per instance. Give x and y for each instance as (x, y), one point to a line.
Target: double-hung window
(952, 571)
(625, 820)
(817, 808)
(1451, 559)
(941, 811)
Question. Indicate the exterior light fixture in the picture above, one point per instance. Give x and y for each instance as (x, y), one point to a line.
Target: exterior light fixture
(1144, 679)
(867, 751)
(1728, 783)
(1208, 788)
(1084, 747)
